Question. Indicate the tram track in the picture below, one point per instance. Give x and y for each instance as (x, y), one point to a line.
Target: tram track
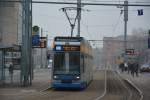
(118, 88)
(126, 87)
(47, 94)
(136, 89)
(133, 88)
(92, 90)
(107, 85)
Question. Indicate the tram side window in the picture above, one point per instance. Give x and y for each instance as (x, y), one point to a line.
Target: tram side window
(82, 63)
(59, 63)
(85, 62)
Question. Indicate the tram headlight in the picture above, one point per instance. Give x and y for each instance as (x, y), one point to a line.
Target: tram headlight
(55, 77)
(78, 77)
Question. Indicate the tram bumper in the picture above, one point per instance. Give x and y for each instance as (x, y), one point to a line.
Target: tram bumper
(77, 85)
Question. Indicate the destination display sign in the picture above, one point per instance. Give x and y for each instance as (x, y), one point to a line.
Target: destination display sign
(69, 39)
(67, 48)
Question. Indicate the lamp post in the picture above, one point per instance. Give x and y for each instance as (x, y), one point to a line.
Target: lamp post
(125, 27)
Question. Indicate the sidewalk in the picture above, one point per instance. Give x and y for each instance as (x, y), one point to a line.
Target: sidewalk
(41, 82)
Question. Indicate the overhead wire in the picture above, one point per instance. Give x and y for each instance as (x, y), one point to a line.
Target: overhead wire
(117, 22)
(87, 28)
(94, 43)
(109, 1)
(83, 4)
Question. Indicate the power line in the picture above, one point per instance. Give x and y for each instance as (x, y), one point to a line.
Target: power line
(118, 20)
(139, 2)
(109, 40)
(87, 28)
(110, 1)
(115, 10)
(100, 25)
(84, 4)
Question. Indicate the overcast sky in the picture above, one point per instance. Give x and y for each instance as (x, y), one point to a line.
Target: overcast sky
(96, 23)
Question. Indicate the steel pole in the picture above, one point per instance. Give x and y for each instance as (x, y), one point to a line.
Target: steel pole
(26, 67)
(41, 50)
(125, 27)
(79, 16)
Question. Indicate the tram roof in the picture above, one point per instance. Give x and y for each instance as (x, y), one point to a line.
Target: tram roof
(63, 38)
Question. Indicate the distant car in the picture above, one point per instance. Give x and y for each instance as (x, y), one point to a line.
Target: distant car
(145, 68)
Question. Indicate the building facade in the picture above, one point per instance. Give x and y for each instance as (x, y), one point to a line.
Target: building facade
(113, 48)
(10, 31)
(10, 23)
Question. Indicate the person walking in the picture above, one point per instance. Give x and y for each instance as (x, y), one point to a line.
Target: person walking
(129, 67)
(11, 70)
(125, 66)
(121, 66)
(136, 68)
(132, 68)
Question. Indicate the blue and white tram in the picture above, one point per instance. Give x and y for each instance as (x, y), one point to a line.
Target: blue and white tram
(72, 63)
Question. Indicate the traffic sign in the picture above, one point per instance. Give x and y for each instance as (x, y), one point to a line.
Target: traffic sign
(35, 40)
(42, 42)
(140, 12)
(129, 51)
(35, 30)
(39, 42)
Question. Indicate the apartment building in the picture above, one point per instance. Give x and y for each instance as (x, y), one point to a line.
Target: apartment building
(10, 23)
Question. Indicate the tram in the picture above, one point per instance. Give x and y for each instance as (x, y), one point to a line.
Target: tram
(72, 63)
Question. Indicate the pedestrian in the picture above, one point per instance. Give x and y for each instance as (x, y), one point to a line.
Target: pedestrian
(11, 69)
(132, 68)
(121, 66)
(136, 67)
(125, 66)
(129, 67)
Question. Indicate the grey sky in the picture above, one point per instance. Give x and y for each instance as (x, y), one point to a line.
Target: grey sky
(100, 21)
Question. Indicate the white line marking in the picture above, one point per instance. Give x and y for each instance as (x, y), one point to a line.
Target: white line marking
(105, 91)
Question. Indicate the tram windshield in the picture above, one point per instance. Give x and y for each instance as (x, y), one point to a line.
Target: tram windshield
(67, 63)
